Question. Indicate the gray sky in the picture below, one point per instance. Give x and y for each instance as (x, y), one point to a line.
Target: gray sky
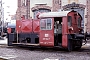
(10, 7)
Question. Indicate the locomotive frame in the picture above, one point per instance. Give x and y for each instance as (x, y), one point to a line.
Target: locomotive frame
(52, 29)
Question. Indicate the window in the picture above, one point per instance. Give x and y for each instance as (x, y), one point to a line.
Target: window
(43, 24)
(69, 21)
(23, 2)
(46, 24)
(49, 23)
(79, 22)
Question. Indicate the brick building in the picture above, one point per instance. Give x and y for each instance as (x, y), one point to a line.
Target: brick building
(88, 16)
(1, 13)
(29, 8)
(23, 9)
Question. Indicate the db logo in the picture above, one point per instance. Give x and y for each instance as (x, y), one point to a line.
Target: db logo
(46, 35)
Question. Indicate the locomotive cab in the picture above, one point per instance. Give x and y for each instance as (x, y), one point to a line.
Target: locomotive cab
(51, 31)
(60, 29)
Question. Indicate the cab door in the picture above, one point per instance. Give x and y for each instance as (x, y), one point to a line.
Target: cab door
(64, 32)
(46, 32)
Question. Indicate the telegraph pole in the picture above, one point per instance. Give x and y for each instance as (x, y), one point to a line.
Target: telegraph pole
(2, 17)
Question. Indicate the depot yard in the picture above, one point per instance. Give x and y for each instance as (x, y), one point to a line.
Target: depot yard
(21, 53)
(24, 53)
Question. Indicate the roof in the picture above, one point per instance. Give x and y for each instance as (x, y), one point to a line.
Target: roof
(12, 24)
(53, 14)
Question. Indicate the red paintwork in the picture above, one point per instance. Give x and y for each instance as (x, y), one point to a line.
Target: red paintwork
(9, 30)
(23, 17)
(64, 32)
(24, 26)
(49, 40)
(74, 22)
(36, 26)
(18, 23)
(69, 29)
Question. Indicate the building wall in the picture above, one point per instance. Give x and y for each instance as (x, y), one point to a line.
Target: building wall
(13, 17)
(23, 9)
(56, 5)
(34, 3)
(83, 2)
(88, 16)
(64, 2)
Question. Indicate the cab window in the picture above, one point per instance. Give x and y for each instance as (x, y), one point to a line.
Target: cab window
(46, 24)
(79, 22)
(43, 24)
(69, 21)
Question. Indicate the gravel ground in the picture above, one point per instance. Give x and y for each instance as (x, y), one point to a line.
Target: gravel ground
(18, 53)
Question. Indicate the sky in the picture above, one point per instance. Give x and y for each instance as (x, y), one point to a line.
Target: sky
(10, 7)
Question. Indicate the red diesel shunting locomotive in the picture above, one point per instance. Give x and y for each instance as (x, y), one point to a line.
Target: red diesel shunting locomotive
(52, 29)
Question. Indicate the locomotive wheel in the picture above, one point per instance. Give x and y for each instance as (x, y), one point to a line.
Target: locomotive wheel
(79, 45)
(77, 48)
(9, 41)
